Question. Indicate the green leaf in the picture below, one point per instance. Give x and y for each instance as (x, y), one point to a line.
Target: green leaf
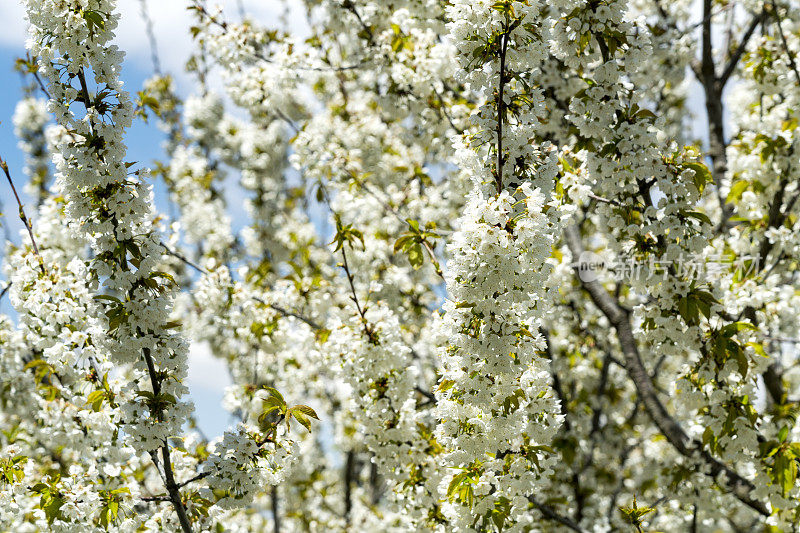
(164, 275)
(645, 114)
(742, 362)
(634, 514)
(301, 413)
(461, 489)
(415, 256)
(107, 297)
(306, 410)
(402, 242)
(446, 384)
(95, 20)
(274, 393)
(306, 423)
(40, 488)
(702, 175)
(697, 215)
(784, 472)
(96, 399)
(735, 327)
(345, 233)
(12, 470)
(737, 189)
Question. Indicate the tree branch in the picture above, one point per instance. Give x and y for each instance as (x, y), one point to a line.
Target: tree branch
(22, 216)
(349, 472)
(501, 109)
(276, 517)
(5, 290)
(169, 475)
(714, 111)
(737, 54)
(668, 426)
(549, 512)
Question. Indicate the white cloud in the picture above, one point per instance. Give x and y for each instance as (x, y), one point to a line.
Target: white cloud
(208, 378)
(205, 370)
(13, 34)
(171, 23)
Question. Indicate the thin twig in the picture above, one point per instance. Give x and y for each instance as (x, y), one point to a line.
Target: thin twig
(151, 36)
(198, 477)
(261, 57)
(22, 216)
(276, 515)
(281, 310)
(610, 202)
(785, 44)
(361, 310)
(501, 109)
(156, 499)
(41, 85)
(183, 259)
(348, 4)
(5, 290)
(36, 77)
(550, 513)
(737, 54)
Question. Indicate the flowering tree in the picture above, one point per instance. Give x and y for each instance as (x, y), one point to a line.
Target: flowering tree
(488, 281)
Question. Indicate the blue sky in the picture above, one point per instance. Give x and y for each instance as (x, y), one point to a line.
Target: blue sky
(207, 376)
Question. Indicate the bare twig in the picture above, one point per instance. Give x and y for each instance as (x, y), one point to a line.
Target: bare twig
(33, 72)
(362, 311)
(737, 54)
(151, 36)
(350, 6)
(276, 515)
(501, 109)
(279, 309)
(198, 477)
(183, 259)
(261, 57)
(41, 84)
(549, 512)
(156, 499)
(5, 290)
(349, 473)
(22, 216)
(285, 312)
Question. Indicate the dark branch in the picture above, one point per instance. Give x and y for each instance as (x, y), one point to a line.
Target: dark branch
(549, 512)
(668, 426)
(22, 216)
(737, 54)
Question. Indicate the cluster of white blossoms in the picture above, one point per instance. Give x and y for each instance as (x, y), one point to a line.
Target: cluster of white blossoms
(378, 366)
(66, 398)
(111, 209)
(497, 414)
(238, 466)
(30, 123)
(204, 219)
